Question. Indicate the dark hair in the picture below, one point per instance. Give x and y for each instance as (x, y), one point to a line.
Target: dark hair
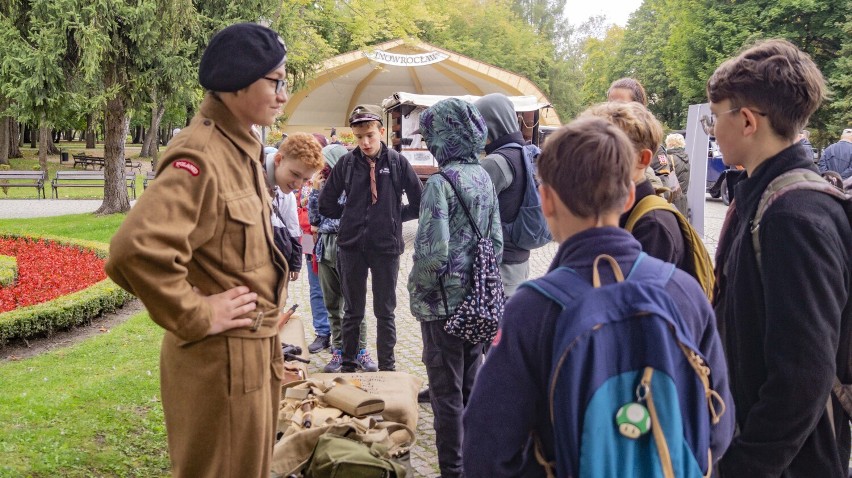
(774, 77)
(636, 89)
(588, 162)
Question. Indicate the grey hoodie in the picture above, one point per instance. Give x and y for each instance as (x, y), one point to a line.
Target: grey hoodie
(499, 114)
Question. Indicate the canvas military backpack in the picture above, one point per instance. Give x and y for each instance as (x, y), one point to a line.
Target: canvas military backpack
(629, 392)
(701, 267)
(478, 316)
(529, 229)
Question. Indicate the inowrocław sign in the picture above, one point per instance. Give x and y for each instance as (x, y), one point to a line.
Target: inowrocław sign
(397, 59)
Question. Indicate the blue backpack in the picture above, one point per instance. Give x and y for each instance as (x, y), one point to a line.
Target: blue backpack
(629, 394)
(529, 229)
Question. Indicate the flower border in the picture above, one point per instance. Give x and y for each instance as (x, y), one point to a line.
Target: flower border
(67, 311)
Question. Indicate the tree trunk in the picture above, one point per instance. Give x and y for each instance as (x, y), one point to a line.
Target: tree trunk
(152, 140)
(34, 136)
(90, 131)
(14, 139)
(51, 146)
(4, 133)
(116, 128)
(137, 135)
(44, 141)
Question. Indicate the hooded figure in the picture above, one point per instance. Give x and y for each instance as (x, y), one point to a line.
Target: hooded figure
(505, 166)
(444, 246)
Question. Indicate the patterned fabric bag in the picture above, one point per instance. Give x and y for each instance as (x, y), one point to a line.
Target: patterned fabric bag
(477, 317)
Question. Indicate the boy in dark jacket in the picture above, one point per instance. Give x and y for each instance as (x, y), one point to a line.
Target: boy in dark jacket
(658, 231)
(505, 167)
(785, 316)
(374, 178)
(585, 170)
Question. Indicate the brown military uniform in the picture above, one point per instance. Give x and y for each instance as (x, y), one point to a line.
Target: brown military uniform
(204, 222)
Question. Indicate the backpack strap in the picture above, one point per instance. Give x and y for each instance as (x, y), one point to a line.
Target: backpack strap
(702, 266)
(792, 180)
(393, 161)
(347, 173)
(647, 204)
(464, 206)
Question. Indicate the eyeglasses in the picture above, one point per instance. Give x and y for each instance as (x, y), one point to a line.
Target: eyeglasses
(280, 83)
(708, 122)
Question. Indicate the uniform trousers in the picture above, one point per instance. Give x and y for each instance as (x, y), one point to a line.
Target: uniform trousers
(220, 399)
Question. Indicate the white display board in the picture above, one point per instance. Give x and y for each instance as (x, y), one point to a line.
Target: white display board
(697, 142)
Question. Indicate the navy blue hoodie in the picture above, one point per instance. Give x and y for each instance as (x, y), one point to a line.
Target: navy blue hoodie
(509, 399)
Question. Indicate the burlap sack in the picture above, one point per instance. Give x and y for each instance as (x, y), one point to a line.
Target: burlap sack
(397, 389)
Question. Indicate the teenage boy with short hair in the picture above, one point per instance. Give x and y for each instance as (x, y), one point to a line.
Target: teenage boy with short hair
(586, 172)
(782, 315)
(374, 179)
(658, 231)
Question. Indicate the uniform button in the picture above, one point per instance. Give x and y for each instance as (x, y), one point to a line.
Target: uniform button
(207, 122)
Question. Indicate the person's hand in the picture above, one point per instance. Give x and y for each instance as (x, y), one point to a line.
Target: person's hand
(294, 275)
(228, 307)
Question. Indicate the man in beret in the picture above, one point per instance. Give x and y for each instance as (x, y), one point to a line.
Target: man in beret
(198, 250)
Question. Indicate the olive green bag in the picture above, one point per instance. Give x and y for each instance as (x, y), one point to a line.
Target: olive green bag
(338, 456)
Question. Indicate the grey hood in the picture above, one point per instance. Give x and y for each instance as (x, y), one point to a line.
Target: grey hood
(499, 114)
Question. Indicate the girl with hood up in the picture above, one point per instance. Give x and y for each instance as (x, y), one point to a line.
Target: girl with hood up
(455, 132)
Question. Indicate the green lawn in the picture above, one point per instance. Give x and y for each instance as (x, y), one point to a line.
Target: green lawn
(30, 161)
(91, 409)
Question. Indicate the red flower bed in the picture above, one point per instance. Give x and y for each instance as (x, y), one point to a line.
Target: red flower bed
(47, 270)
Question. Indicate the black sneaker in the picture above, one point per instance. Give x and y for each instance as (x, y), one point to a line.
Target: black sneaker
(423, 396)
(320, 343)
(349, 367)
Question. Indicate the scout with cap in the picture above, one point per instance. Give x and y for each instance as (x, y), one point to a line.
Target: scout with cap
(374, 178)
(198, 250)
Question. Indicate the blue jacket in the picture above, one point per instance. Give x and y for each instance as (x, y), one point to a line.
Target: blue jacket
(509, 401)
(837, 158)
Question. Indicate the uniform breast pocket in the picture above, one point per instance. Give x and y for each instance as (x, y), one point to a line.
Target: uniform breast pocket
(244, 245)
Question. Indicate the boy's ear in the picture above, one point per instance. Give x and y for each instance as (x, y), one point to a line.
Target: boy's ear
(278, 158)
(548, 195)
(645, 157)
(631, 196)
(749, 122)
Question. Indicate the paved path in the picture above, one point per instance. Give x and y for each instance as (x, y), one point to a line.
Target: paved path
(409, 345)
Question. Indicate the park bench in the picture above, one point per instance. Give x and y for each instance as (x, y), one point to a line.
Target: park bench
(87, 179)
(148, 177)
(24, 179)
(128, 164)
(85, 160)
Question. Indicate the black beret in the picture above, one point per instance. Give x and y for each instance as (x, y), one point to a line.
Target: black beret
(239, 55)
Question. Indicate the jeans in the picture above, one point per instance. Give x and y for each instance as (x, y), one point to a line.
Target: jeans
(318, 309)
(451, 365)
(384, 268)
